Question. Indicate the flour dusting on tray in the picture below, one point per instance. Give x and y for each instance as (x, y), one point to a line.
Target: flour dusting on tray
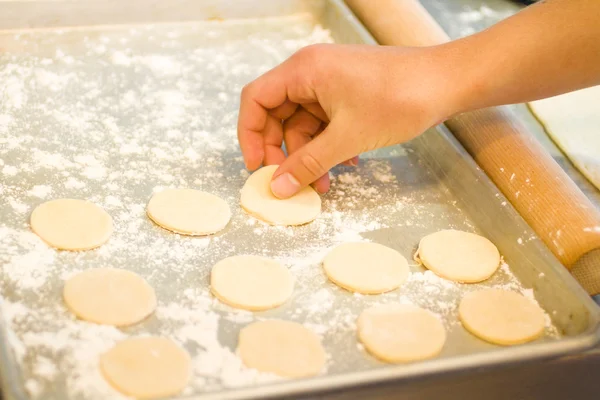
(113, 115)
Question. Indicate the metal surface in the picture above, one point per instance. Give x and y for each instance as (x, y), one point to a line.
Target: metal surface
(435, 186)
(566, 378)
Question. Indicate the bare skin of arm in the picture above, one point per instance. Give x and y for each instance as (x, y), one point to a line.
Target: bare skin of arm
(338, 101)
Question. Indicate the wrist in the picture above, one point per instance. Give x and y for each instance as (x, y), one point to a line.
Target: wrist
(456, 88)
(475, 74)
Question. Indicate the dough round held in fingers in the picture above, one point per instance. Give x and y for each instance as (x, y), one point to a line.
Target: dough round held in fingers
(109, 296)
(251, 282)
(399, 333)
(501, 317)
(458, 256)
(258, 200)
(283, 348)
(367, 268)
(189, 212)
(147, 367)
(71, 224)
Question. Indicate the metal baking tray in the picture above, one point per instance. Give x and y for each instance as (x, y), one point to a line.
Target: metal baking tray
(110, 101)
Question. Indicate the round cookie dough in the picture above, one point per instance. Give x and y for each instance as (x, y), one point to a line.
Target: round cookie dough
(71, 224)
(501, 317)
(283, 348)
(258, 200)
(189, 212)
(458, 256)
(109, 296)
(368, 268)
(147, 367)
(399, 333)
(251, 282)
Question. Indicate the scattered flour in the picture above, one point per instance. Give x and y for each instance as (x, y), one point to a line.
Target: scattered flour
(72, 183)
(9, 170)
(165, 116)
(40, 191)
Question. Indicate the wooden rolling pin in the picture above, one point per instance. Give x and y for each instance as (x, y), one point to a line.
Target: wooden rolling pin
(521, 168)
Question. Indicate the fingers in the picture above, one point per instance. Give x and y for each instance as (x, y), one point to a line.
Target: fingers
(353, 162)
(298, 131)
(316, 110)
(276, 91)
(322, 184)
(285, 110)
(310, 162)
(302, 127)
(273, 139)
(252, 146)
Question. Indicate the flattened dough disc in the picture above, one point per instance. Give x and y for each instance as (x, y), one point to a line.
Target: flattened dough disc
(251, 282)
(573, 121)
(189, 212)
(283, 348)
(109, 296)
(501, 317)
(459, 256)
(147, 367)
(258, 200)
(368, 268)
(399, 333)
(71, 224)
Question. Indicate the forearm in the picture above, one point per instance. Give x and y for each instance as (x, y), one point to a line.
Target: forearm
(340, 101)
(549, 48)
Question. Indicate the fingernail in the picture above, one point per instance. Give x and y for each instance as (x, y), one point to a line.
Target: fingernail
(284, 186)
(354, 162)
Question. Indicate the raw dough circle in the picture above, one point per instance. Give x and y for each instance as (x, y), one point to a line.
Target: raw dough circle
(283, 348)
(71, 224)
(251, 282)
(147, 367)
(399, 333)
(459, 256)
(501, 317)
(109, 296)
(368, 268)
(258, 200)
(189, 211)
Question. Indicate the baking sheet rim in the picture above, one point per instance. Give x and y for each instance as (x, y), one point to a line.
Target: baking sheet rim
(11, 376)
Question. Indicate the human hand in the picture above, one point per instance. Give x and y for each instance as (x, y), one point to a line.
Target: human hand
(329, 103)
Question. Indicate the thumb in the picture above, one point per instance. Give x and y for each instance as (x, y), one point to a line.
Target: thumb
(310, 162)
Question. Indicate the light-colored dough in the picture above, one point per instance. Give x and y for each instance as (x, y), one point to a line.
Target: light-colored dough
(368, 268)
(501, 317)
(189, 212)
(258, 200)
(572, 120)
(458, 256)
(283, 348)
(70, 224)
(251, 282)
(400, 333)
(109, 296)
(147, 367)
